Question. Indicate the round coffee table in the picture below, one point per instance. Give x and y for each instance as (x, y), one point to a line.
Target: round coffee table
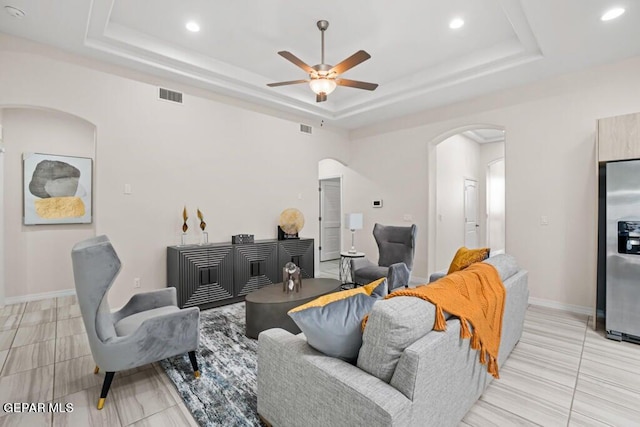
(267, 307)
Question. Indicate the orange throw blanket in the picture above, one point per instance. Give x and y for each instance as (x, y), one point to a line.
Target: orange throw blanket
(475, 295)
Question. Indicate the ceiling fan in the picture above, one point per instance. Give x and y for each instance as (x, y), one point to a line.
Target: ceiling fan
(323, 78)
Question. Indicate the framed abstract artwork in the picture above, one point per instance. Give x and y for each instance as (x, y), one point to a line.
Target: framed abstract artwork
(57, 189)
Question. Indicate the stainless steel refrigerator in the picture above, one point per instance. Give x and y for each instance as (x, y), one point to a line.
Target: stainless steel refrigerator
(623, 250)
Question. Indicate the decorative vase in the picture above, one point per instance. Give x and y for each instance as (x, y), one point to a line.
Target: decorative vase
(185, 227)
(203, 225)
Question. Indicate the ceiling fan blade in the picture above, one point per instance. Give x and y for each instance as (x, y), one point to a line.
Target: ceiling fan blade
(291, 57)
(291, 82)
(357, 84)
(355, 59)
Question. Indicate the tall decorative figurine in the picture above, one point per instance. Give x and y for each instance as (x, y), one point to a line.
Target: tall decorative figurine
(291, 278)
(185, 227)
(203, 225)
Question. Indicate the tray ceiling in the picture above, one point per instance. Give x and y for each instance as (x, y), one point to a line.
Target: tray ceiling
(418, 61)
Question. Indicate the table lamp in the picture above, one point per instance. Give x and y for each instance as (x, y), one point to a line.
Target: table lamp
(353, 221)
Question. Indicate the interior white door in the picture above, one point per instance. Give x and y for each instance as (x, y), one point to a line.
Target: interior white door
(471, 213)
(495, 207)
(330, 216)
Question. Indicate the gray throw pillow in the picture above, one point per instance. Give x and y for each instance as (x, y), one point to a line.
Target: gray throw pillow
(332, 323)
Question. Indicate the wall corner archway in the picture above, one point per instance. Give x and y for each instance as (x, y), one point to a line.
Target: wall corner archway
(432, 212)
(38, 265)
(331, 177)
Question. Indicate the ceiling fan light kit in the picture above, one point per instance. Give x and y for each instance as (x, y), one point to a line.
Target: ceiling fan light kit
(322, 85)
(323, 78)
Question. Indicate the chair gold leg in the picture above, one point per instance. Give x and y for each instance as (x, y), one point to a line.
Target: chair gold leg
(105, 388)
(96, 370)
(194, 364)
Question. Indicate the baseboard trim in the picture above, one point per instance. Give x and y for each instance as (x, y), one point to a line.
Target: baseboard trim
(579, 309)
(36, 297)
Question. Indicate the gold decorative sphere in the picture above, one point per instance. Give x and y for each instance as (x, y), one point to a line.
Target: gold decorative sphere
(291, 221)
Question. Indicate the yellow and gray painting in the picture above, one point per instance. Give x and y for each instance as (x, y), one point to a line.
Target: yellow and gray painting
(56, 192)
(56, 184)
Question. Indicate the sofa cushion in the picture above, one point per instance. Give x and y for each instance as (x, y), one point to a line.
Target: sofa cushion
(129, 324)
(393, 325)
(464, 257)
(396, 323)
(332, 323)
(505, 264)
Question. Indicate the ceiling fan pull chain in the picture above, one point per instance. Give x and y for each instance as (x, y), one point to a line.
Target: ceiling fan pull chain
(322, 53)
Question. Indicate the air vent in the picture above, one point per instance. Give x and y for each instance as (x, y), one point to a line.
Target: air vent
(306, 129)
(170, 95)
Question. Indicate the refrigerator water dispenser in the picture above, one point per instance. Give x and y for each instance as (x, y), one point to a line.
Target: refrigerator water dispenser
(629, 237)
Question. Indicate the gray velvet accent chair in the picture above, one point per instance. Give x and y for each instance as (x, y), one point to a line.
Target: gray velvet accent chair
(150, 327)
(396, 248)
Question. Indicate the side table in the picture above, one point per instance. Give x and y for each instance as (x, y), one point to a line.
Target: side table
(346, 275)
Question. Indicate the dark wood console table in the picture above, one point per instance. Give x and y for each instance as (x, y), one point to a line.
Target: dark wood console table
(216, 274)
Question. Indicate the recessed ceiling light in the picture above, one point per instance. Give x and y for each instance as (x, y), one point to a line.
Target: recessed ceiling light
(612, 14)
(14, 11)
(456, 23)
(193, 26)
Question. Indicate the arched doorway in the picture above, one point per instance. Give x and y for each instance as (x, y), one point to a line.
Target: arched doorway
(38, 265)
(466, 192)
(331, 174)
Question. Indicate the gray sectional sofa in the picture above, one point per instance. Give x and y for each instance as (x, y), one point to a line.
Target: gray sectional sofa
(406, 375)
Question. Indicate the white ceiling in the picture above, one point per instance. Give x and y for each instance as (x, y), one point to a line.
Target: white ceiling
(418, 61)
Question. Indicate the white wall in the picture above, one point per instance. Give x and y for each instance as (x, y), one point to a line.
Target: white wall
(240, 166)
(457, 159)
(39, 260)
(330, 168)
(550, 170)
(2, 271)
(380, 169)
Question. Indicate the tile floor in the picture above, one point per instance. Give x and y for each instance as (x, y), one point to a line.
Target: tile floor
(563, 373)
(330, 269)
(45, 357)
(560, 373)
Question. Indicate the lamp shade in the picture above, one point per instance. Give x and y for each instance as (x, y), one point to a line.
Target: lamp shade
(353, 221)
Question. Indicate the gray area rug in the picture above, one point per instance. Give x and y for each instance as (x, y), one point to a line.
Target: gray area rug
(225, 393)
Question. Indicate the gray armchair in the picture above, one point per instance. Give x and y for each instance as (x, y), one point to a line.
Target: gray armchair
(396, 247)
(150, 327)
